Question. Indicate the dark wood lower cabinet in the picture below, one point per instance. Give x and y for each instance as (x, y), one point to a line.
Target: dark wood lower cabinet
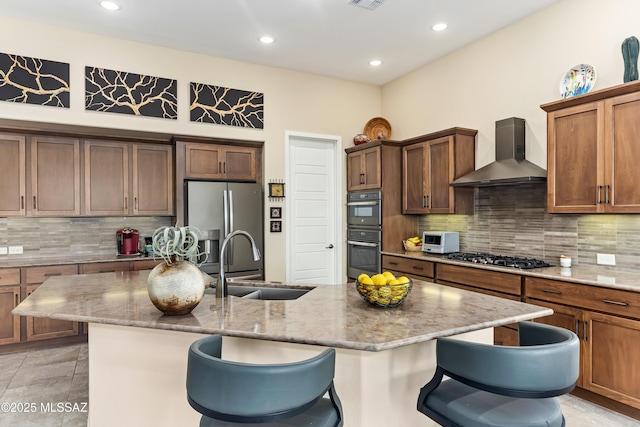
(40, 328)
(610, 337)
(9, 323)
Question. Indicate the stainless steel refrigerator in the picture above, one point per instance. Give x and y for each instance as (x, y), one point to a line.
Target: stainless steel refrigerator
(219, 208)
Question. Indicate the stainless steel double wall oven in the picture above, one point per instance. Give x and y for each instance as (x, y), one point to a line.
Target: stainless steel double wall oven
(364, 232)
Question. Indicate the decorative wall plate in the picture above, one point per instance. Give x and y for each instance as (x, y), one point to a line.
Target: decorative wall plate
(579, 80)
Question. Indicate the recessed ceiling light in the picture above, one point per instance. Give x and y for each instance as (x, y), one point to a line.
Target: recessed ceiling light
(375, 62)
(439, 26)
(109, 5)
(267, 39)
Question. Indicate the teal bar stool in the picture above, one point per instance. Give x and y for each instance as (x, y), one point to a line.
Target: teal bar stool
(229, 393)
(491, 385)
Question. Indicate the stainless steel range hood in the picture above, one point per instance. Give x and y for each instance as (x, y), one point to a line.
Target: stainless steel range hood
(510, 167)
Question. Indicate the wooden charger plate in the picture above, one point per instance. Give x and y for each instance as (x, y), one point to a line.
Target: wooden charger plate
(376, 126)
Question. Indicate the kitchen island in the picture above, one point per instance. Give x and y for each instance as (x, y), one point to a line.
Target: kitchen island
(137, 355)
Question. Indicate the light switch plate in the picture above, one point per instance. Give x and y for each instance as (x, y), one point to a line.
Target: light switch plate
(606, 259)
(15, 250)
(3, 250)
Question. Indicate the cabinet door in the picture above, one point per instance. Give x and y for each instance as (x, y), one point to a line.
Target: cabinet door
(40, 328)
(364, 170)
(440, 194)
(611, 359)
(354, 171)
(575, 148)
(9, 323)
(414, 178)
(106, 178)
(567, 318)
(12, 175)
(203, 161)
(152, 179)
(55, 177)
(622, 174)
(239, 163)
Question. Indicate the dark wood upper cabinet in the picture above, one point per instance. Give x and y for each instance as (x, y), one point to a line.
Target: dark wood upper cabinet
(12, 175)
(429, 163)
(364, 169)
(211, 161)
(153, 180)
(106, 178)
(593, 151)
(54, 177)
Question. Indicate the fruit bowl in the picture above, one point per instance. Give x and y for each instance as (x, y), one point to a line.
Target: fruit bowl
(383, 293)
(411, 247)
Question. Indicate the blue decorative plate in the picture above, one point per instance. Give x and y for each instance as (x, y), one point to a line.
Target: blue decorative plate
(579, 80)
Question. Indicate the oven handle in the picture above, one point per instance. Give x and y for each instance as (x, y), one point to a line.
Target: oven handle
(370, 203)
(369, 245)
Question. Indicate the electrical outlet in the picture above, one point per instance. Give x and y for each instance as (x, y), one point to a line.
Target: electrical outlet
(606, 259)
(3, 250)
(15, 250)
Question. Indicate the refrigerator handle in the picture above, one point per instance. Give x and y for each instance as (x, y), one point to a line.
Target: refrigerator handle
(231, 230)
(225, 209)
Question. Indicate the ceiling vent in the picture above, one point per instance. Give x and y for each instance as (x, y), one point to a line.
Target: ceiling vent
(366, 4)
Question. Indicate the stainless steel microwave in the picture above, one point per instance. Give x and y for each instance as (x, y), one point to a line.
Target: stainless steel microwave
(440, 242)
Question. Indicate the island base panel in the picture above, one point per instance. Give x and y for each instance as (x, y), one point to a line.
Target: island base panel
(137, 376)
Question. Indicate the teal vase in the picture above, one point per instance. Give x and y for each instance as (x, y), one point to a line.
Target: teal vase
(630, 47)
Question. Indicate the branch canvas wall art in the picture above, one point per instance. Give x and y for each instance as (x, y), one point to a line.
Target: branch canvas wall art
(226, 106)
(34, 81)
(128, 93)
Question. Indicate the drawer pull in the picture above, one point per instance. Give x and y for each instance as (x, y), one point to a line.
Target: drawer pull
(392, 263)
(52, 274)
(550, 291)
(107, 271)
(415, 267)
(608, 301)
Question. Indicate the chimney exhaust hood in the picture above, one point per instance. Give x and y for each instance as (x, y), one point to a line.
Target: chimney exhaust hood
(510, 167)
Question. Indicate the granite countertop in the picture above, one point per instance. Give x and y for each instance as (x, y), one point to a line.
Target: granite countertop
(582, 275)
(328, 315)
(68, 259)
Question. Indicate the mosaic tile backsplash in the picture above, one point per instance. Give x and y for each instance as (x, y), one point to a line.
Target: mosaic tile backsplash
(511, 220)
(75, 237)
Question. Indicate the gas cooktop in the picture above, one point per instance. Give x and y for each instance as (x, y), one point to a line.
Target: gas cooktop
(500, 260)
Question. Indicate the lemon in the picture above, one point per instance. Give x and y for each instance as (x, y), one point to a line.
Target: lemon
(403, 279)
(388, 275)
(366, 280)
(379, 279)
(362, 277)
(394, 282)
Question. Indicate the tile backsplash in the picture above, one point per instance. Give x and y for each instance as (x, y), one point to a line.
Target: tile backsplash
(75, 237)
(512, 220)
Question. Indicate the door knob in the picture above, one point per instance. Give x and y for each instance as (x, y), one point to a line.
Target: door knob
(330, 246)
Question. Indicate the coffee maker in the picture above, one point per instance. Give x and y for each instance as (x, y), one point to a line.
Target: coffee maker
(127, 240)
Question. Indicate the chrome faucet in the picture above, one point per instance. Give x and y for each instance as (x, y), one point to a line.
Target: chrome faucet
(221, 287)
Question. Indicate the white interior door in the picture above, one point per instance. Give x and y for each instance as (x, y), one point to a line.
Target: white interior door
(313, 209)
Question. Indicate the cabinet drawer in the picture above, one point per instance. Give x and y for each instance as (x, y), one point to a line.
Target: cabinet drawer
(147, 264)
(40, 274)
(408, 265)
(104, 267)
(613, 301)
(479, 278)
(9, 276)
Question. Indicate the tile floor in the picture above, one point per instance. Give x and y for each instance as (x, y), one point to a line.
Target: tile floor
(55, 383)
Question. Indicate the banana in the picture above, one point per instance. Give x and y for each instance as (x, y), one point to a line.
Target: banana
(415, 240)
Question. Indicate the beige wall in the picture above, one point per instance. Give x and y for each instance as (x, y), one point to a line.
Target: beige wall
(293, 101)
(512, 72)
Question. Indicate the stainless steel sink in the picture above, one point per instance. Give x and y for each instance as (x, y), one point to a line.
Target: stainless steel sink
(262, 292)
